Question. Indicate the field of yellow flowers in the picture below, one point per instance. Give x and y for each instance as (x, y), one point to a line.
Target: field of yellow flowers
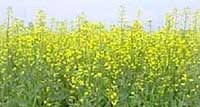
(92, 66)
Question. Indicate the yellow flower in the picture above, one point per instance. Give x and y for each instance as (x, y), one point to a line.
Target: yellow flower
(98, 75)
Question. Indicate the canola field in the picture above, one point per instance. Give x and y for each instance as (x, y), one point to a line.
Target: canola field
(92, 66)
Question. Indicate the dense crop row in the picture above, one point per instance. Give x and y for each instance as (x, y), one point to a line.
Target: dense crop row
(95, 67)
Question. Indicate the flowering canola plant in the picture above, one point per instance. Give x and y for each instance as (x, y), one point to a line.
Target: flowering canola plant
(91, 66)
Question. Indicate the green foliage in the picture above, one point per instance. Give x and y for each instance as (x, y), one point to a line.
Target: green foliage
(91, 66)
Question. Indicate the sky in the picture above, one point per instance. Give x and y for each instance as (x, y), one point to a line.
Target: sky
(96, 10)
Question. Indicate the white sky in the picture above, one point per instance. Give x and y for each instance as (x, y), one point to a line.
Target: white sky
(98, 10)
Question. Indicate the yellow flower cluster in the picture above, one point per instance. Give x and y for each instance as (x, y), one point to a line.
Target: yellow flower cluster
(95, 67)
